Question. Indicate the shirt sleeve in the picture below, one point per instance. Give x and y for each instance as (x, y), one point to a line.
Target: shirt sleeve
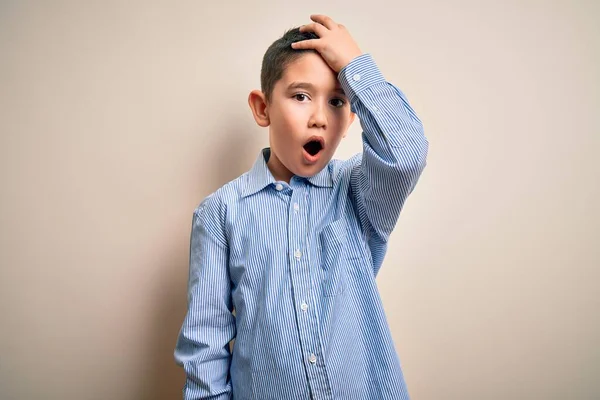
(203, 344)
(394, 151)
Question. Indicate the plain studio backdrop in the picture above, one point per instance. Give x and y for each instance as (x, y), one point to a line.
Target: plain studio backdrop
(118, 118)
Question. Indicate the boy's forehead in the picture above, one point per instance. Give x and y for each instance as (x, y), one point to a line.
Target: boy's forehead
(310, 68)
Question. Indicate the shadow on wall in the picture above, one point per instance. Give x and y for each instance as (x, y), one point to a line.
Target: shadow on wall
(233, 154)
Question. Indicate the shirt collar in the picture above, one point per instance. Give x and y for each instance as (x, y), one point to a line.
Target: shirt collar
(260, 176)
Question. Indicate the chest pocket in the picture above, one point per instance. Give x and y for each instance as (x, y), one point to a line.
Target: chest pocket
(333, 257)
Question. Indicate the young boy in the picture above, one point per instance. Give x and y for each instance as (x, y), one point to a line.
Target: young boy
(294, 245)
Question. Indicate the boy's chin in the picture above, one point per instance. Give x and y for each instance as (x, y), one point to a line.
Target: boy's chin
(309, 170)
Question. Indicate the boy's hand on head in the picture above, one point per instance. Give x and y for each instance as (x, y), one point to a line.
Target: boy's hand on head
(335, 44)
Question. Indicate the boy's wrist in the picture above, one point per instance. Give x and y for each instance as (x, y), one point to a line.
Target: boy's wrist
(360, 73)
(348, 58)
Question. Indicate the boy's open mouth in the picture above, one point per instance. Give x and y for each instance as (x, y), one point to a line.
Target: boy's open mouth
(314, 145)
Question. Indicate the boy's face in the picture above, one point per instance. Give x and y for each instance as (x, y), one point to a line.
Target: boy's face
(308, 114)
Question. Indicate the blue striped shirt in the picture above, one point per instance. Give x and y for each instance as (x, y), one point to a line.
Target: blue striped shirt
(288, 270)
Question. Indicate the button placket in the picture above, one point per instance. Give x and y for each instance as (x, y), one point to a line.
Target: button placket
(300, 257)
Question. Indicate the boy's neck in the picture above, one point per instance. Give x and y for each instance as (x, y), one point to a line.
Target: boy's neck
(278, 170)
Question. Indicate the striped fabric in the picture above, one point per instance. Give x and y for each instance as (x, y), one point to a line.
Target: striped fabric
(298, 263)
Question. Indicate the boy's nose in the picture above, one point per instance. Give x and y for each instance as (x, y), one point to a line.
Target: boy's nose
(318, 119)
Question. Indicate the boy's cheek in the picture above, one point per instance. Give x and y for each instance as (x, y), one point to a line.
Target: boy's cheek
(296, 112)
(294, 120)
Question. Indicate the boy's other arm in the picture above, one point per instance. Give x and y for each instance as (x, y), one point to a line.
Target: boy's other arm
(203, 343)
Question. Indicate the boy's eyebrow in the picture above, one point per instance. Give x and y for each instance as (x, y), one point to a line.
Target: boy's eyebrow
(310, 86)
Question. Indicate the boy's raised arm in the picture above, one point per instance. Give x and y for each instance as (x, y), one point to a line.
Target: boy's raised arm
(394, 151)
(203, 343)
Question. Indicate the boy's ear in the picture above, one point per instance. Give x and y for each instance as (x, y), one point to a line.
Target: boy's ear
(258, 104)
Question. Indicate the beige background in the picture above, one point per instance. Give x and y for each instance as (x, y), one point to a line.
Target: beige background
(117, 118)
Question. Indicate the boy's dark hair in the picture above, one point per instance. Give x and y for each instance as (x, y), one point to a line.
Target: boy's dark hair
(278, 56)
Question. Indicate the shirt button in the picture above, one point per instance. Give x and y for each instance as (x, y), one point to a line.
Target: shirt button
(304, 306)
(356, 77)
(279, 187)
(296, 207)
(297, 254)
(312, 359)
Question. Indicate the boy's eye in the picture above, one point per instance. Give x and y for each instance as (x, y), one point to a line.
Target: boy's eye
(337, 103)
(301, 97)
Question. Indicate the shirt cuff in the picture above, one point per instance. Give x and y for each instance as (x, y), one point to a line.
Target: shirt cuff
(360, 74)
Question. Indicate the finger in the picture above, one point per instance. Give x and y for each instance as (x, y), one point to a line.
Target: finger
(317, 28)
(324, 20)
(307, 44)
